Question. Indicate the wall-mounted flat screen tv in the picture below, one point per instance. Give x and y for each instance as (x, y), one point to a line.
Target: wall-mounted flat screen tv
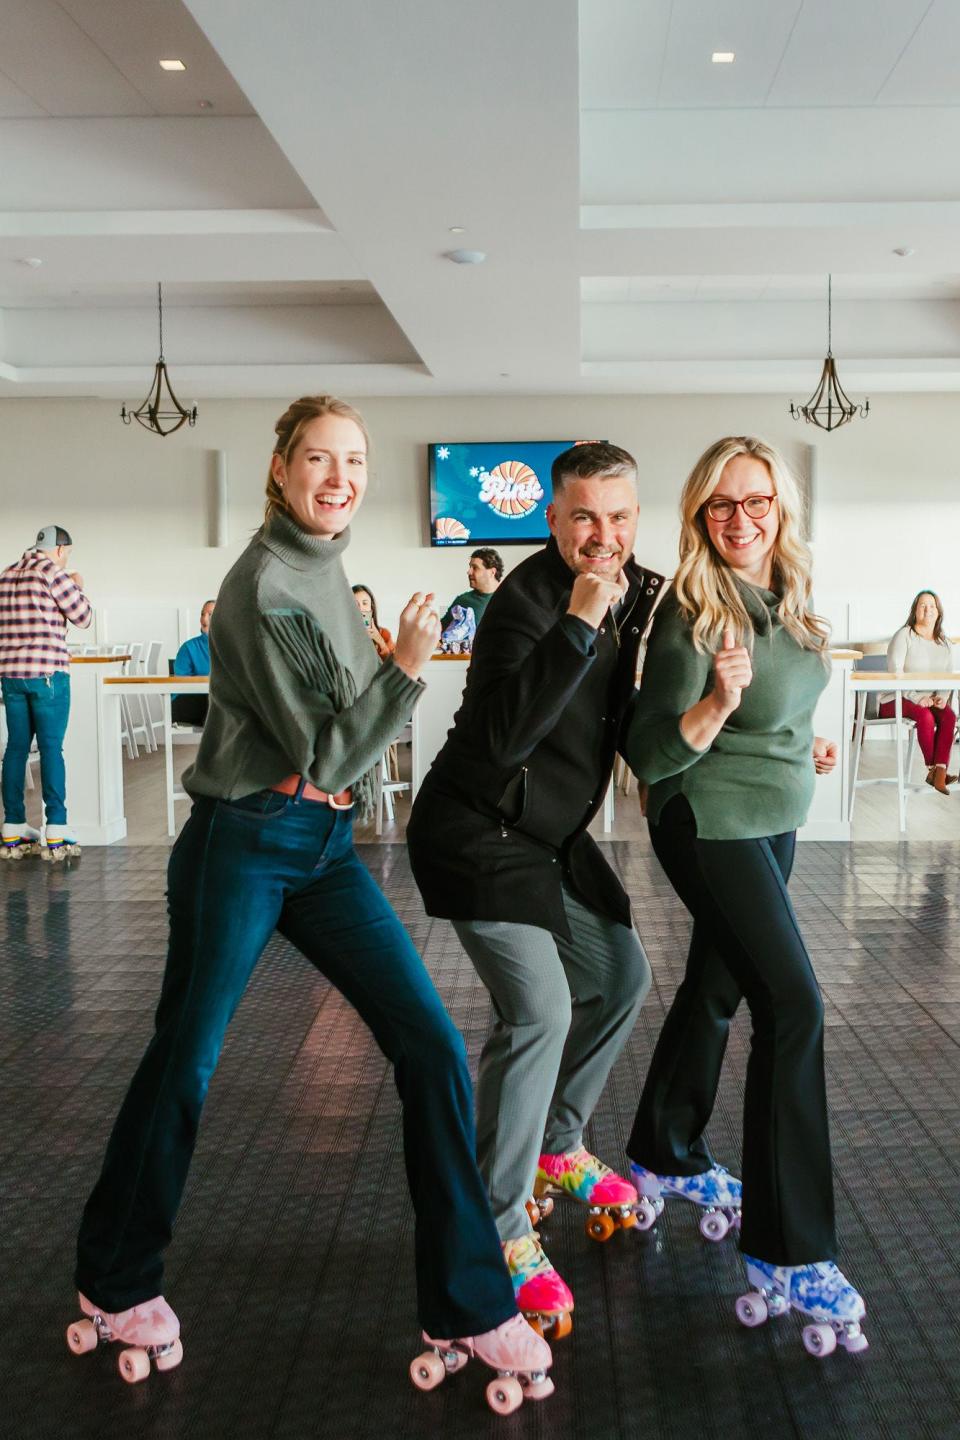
(491, 493)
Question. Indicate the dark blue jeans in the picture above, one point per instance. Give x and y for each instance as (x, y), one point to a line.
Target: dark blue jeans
(38, 707)
(238, 871)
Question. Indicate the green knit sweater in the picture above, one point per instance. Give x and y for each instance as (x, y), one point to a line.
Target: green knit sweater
(757, 777)
(295, 685)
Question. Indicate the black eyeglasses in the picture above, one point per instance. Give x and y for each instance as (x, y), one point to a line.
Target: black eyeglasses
(755, 506)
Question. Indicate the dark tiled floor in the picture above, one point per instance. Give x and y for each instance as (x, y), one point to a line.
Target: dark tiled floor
(291, 1268)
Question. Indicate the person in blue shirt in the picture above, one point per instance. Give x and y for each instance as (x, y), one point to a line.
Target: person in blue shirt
(193, 658)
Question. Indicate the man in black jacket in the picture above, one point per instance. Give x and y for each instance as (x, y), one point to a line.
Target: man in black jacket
(499, 845)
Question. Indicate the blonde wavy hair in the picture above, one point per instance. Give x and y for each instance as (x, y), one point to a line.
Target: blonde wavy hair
(704, 584)
(289, 431)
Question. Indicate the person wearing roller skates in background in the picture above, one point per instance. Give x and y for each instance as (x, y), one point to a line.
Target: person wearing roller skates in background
(499, 844)
(723, 735)
(38, 596)
(301, 710)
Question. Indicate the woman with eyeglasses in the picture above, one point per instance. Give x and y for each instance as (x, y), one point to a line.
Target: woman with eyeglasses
(722, 734)
(922, 645)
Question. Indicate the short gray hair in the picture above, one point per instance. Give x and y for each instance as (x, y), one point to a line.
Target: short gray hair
(593, 459)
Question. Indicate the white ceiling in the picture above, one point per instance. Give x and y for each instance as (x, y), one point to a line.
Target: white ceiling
(652, 221)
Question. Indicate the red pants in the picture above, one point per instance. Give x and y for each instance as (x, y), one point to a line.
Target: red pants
(935, 728)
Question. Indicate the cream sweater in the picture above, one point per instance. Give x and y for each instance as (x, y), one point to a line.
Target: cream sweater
(908, 651)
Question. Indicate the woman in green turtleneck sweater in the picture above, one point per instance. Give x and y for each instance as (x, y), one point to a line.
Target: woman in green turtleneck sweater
(722, 733)
(300, 712)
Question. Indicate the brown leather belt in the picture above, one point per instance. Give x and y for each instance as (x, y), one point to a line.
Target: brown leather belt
(290, 786)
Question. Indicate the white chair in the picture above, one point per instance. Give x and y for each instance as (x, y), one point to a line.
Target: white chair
(153, 703)
(867, 714)
(127, 737)
(389, 782)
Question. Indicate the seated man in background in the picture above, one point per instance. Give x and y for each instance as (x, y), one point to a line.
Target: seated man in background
(484, 573)
(193, 658)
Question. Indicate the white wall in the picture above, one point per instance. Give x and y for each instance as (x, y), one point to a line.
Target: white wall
(887, 507)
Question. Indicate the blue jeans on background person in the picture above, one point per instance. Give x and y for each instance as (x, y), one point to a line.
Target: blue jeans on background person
(40, 707)
(240, 870)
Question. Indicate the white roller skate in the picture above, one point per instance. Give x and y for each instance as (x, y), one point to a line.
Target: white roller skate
(718, 1194)
(18, 841)
(520, 1356)
(819, 1291)
(58, 844)
(151, 1331)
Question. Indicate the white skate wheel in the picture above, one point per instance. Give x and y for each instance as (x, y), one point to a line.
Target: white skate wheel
(546, 1206)
(819, 1340)
(427, 1371)
(646, 1214)
(134, 1365)
(855, 1344)
(82, 1337)
(454, 1360)
(714, 1225)
(751, 1310)
(171, 1358)
(504, 1395)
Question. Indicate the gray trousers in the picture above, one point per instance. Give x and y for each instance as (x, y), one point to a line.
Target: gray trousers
(564, 1011)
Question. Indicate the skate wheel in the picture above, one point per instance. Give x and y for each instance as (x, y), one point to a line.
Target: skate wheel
(533, 1212)
(855, 1344)
(751, 1310)
(819, 1340)
(600, 1228)
(537, 1389)
(427, 1371)
(560, 1326)
(627, 1219)
(645, 1214)
(82, 1337)
(504, 1395)
(714, 1226)
(546, 1206)
(535, 1323)
(171, 1358)
(134, 1365)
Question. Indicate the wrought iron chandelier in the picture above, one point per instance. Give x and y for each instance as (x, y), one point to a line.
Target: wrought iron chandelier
(829, 406)
(159, 409)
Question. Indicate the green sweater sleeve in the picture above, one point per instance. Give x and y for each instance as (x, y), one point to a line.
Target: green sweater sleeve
(309, 702)
(675, 676)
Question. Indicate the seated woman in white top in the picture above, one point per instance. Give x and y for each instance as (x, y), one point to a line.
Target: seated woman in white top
(922, 645)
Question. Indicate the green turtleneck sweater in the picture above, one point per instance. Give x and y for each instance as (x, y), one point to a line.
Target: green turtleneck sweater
(757, 777)
(295, 685)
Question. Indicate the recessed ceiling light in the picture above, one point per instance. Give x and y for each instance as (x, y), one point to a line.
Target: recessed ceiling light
(172, 65)
(723, 57)
(457, 229)
(33, 262)
(466, 257)
(904, 250)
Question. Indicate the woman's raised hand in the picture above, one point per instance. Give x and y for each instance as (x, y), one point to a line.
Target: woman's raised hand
(418, 635)
(732, 672)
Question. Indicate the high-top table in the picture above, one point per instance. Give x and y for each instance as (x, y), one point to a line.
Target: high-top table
(92, 753)
(864, 682)
(166, 686)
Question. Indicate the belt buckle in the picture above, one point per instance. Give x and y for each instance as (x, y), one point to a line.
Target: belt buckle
(332, 802)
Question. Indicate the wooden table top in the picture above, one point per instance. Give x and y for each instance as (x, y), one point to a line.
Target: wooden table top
(98, 659)
(179, 682)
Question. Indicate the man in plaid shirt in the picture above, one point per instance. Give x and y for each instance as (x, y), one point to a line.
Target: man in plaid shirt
(37, 598)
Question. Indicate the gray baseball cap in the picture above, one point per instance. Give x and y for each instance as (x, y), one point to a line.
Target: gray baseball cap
(51, 536)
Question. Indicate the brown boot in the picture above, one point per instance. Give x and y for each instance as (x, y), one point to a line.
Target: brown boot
(939, 781)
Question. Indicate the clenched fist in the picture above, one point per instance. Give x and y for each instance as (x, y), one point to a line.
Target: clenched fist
(592, 597)
(418, 635)
(732, 672)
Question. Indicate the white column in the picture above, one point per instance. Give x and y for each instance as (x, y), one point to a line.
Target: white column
(433, 716)
(93, 758)
(829, 817)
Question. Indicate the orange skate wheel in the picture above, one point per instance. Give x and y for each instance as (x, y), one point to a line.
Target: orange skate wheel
(626, 1221)
(535, 1323)
(562, 1325)
(427, 1371)
(505, 1395)
(82, 1337)
(600, 1227)
(533, 1212)
(171, 1359)
(134, 1365)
